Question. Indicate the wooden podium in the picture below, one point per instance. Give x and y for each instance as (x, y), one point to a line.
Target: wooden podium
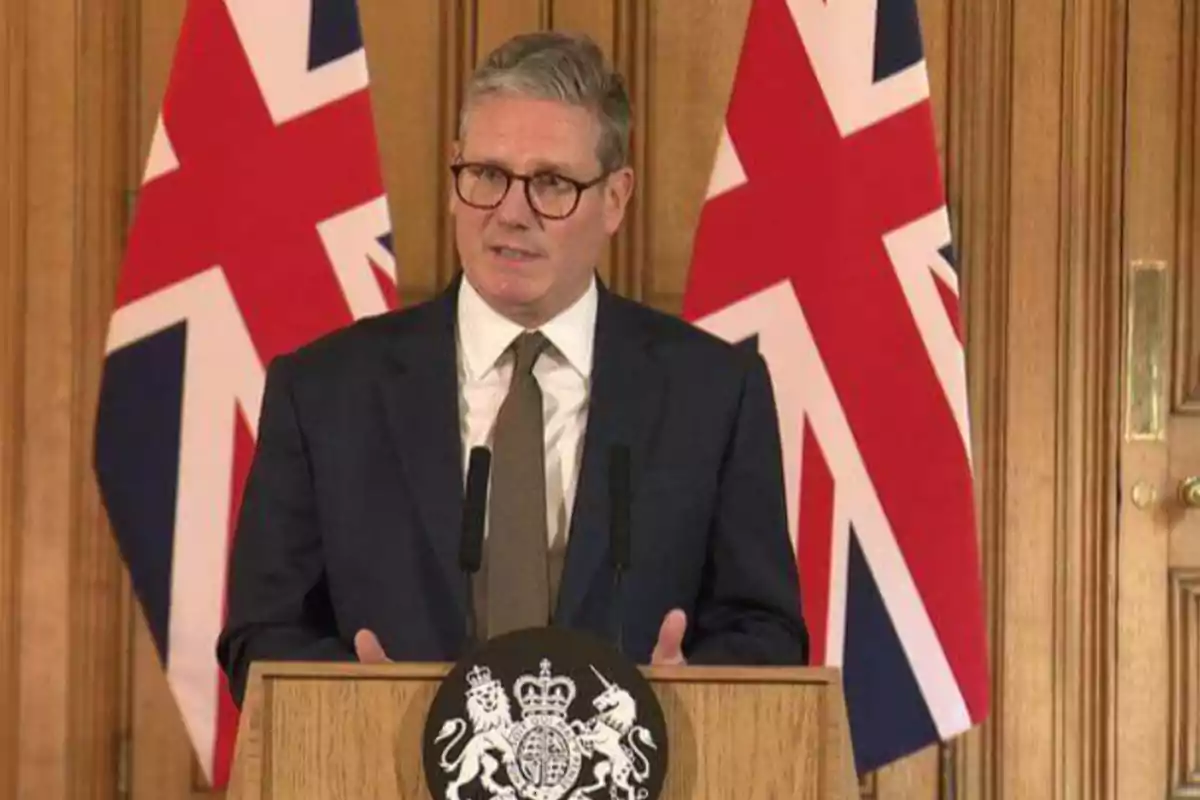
(354, 731)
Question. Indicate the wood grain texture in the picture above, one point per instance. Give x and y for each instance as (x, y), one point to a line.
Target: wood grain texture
(162, 764)
(695, 51)
(94, 681)
(1183, 695)
(46, 519)
(13, 210)
(1089, 365)
(1026, 667)
(497, 20)
(599, 19)
(978, 167)
(980, 154)
(1150, 230)
(158, 30)
(914, 776)
(625, 264)
(703, 766)
(935, 16)
(349, 730)
(406, 49)
(1186, 373)
(1184, 690)
(66, 605)
(458, 34)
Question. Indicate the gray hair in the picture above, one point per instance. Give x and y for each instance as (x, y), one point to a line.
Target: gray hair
(570, 68)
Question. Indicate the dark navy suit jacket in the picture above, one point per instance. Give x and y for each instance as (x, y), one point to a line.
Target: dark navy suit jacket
(352, 508)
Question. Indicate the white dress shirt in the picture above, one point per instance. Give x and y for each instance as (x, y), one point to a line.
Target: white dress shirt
(563, 372)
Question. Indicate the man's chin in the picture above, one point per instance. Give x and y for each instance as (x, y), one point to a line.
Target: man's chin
(515, 299)
(524, 310)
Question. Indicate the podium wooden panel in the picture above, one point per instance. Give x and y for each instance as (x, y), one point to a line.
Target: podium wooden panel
(354, 731)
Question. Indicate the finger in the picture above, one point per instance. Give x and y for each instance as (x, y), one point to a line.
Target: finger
(368, 648)
(669, 649)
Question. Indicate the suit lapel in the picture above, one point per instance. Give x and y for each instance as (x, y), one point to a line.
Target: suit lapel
(418, 386)
(419, 389)
(626, 399)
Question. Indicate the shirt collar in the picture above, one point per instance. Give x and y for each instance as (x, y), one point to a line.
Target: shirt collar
(484, 334)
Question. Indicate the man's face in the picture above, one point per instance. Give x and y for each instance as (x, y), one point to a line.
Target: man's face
(525, 266)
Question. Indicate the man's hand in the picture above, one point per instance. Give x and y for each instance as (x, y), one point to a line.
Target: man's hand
(669, 650)
(368, 648)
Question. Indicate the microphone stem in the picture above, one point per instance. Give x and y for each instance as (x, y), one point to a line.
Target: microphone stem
(618, 622)
(472, 622)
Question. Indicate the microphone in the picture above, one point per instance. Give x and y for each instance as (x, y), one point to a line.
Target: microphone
(474, 514)
(619, 544)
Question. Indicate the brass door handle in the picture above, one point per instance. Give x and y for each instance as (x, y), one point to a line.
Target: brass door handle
(1189, 491)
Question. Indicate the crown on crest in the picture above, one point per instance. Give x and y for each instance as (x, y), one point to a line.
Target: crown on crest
(544, 695)
(480, 679)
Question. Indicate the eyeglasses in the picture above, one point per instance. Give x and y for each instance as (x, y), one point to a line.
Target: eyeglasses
(550, 195)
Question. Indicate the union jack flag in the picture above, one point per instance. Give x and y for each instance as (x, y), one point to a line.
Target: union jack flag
(825, 242)
(261, 224)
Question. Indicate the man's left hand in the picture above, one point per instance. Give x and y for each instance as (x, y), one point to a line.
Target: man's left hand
(669, 650)
(368, 649)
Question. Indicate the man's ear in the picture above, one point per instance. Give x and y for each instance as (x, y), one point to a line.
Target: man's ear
(618, 188)
(455, 156)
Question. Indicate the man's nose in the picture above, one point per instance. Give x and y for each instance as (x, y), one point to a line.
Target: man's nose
(514, 209)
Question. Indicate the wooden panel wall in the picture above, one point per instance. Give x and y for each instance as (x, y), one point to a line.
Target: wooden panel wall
(1029, 103)
(12, 291)
(63, 144)
(1186, 384)
(1035, 163)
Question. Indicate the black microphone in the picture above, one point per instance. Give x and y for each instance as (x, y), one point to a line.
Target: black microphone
(619, 544)
(474, 514)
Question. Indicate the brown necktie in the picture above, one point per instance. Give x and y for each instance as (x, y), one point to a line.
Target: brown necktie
(518, 592)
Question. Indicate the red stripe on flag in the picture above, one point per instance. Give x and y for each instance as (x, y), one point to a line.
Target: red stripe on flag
(950, 304)
(248, 196)
(248, 193)
(227, 713)
(387, 287)
(814, 542)
(227, 724)
(814, 212)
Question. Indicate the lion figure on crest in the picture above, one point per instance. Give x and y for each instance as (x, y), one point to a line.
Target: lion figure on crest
(491, 718)
(621, 764)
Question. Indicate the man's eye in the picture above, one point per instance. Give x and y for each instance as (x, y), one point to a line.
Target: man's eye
(488, 173)
(551, 182)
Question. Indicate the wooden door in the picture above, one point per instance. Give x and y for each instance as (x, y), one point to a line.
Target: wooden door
(1158, 752)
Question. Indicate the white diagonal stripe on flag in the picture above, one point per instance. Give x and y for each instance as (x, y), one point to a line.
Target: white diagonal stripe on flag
(777, 309)
(275, 36)
(222, 375)
(913, 251)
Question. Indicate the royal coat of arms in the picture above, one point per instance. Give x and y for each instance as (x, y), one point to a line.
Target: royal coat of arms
(545, 755)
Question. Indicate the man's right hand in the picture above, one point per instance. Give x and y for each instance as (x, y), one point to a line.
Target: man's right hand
(669, 649)
(368, 648)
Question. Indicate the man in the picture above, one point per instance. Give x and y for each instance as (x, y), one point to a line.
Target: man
(348, 536)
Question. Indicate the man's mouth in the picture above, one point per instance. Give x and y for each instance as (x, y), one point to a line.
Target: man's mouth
(514, 253)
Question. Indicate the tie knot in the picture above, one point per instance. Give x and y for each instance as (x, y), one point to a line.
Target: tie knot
(527, 348)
